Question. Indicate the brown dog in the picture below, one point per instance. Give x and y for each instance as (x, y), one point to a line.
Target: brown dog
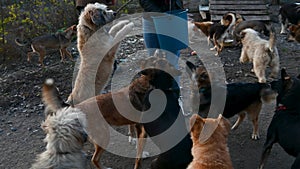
(212, 153)
(59, 40)
(105, 103)
(294, 33)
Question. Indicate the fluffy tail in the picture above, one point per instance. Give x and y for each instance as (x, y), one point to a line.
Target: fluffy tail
(272, 40)
(51, 98)
(19, 43)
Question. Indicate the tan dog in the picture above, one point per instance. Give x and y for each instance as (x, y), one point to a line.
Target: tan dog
(65, 137)
(212, 153)
(97, 59)
(105, 103)
(261, 52)
(59, 40)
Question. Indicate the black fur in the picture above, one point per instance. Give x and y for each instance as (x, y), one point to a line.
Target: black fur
(179, 156)
(256, 25)
(285, 124)
(239, 97)
(290, 12)
(217, 30)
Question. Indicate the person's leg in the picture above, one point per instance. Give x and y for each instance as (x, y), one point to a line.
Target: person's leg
(150, 36)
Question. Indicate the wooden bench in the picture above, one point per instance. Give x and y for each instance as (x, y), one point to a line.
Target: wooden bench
(250, 10)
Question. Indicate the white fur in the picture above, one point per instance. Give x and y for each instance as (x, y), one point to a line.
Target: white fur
(261, 52)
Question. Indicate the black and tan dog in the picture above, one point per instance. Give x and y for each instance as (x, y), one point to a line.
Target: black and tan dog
(254, 93)
(285, 124)
(59, 40)
(254, 24)
(289, 13)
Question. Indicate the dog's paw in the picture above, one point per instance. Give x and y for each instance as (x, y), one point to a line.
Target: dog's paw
(145, 154)
(132, 140)
(255, 136)
(212, 48)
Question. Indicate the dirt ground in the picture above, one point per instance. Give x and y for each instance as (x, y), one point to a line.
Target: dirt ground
(21, 108)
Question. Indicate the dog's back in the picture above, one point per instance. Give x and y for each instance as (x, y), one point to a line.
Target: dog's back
(256, 25)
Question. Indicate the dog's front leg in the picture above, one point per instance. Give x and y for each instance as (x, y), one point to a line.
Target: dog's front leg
(141, 136)
(244, 58)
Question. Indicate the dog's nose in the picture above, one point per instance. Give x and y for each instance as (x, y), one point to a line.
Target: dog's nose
(115, 13)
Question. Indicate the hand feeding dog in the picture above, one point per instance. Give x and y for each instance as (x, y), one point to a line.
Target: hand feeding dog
(256, 94)
(289, 13)
(59, 40)
(65, 137)
(98, 70)
(106, 104)
(285, 124)
(261, 52)
(212, 153)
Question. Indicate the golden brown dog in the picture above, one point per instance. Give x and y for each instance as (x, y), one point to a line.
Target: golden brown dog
(59, 40)
(134, 93)
(260, 52)
(96, 63)
(212, 153)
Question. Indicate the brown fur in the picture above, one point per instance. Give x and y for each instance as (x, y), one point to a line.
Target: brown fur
(59, 40)
(106, 104)
(261, 52)
(294, 33)
(212, 153)
(96, 63)
(205, 28)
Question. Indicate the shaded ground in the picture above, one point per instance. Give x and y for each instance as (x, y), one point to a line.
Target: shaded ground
(21, 109)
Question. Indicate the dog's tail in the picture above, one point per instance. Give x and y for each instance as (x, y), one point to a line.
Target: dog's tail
(267, 95)
(51, 98)
(272, 40)
(19, 43)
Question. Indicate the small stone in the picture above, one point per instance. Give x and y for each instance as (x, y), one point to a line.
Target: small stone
(13, 129)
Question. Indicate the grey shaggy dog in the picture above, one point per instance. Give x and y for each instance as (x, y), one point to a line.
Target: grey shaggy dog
(65, 137)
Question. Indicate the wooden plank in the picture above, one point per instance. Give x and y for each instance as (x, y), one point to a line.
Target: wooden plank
(233, 7)
(242, 12)
(214, 2)
(249, 17)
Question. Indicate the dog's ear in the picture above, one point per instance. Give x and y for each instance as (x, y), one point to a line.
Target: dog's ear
(191, 68)
(242, 35)
(196, 125)
(224, 122)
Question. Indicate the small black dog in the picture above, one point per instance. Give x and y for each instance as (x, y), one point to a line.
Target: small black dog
(241, 98)
(285, 125)
(180, 155)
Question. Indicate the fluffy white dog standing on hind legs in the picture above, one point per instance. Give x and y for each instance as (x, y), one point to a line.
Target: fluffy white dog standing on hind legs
(261, 52)
(97, 48)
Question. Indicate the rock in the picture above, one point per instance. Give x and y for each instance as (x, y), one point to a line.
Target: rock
(13, 129)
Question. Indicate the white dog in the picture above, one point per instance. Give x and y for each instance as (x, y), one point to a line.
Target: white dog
(261, 52)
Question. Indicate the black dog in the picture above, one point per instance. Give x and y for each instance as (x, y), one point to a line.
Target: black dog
(285, 125)
(256, 25)
(180, 155)
(240, 98)
(289, 13)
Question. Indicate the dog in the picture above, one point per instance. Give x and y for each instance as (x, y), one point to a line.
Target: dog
(179, 156)
(261, 52)
(253, 24)
(256, 94)
(289, 13)
(205, 29)
(65, 137)
(133, 93)
(284, 127)
(59, 40)
(294, 33)
(214, 152)
(96, 65)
